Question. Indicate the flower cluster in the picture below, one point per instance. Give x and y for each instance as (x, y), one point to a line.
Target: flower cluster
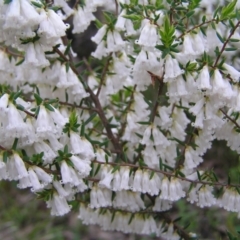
(123, 133)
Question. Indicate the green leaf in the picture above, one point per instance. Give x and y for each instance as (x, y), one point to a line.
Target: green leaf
(131, 218)
(228, 10)
(144, 123)
(49, 107)
(38, 99)
(5, 156)
(97, 170)
(220, 37)
(20, 107)
(17, 94)
(230, 49)
(92, 116)
(37, 4)
(20, 62)
(82, 132)
(14, 146)
(199, 176)
(151, 176)
(115, 168)
(133, 17)
(7, 1)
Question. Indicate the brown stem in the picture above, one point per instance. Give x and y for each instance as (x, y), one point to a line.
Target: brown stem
(104, 72)
(104, 120)
(121, 131)
(169, 174)
(229, 118)
(96, 101)
(195, 27)
(155, 107)
(225, 43)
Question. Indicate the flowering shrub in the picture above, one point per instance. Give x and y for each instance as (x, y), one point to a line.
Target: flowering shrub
(121, 135)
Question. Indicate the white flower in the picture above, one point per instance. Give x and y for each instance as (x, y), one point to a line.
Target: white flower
(100, 34)
(137, 181)
(192, 159)
(205, 197)
(235, 75)
(172, 69)
(35, 55)
(82, 146)
(164, 189)
(161, 205)
(146, 136)
(20, 166)
(203, 79)
(16, 126)
(44, 123)
(51, 26)
(148, 36)
(197, 107)
(175, 190)
(124, 184)
(188, 46)
(81, 19)
(116, 181)
(61, 191)
(4, 103)
(24, 183)
(106, 178)
(49, 154)
(82, 166)
(66, 173)
(114, 41)
(230, 200)
(35, 183)
(218, 82)
(58, 205)
(44, 177)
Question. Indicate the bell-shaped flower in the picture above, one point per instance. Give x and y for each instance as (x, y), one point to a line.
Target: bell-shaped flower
(34, 55)
(148, 36)
(137, 181)
(82, 146)
(116, 181)
(82, 17)
(82, 166)
(44, 177)
(100, 34)
(235, 75)
(58, 205)
(205, 197)
(44, 123)
(106, 178)
(172, 69)
(49, 154)
(19, 165)
(51, 27)
(35, 183)
(203, 79)
(165, 189)
(65, 173)
(175, 190)
(4, 103)
(124, 184)
(16, 126)
(60, 190)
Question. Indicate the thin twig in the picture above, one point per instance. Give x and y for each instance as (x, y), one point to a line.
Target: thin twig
(229, 118)
(225, 43)
(104, 72)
